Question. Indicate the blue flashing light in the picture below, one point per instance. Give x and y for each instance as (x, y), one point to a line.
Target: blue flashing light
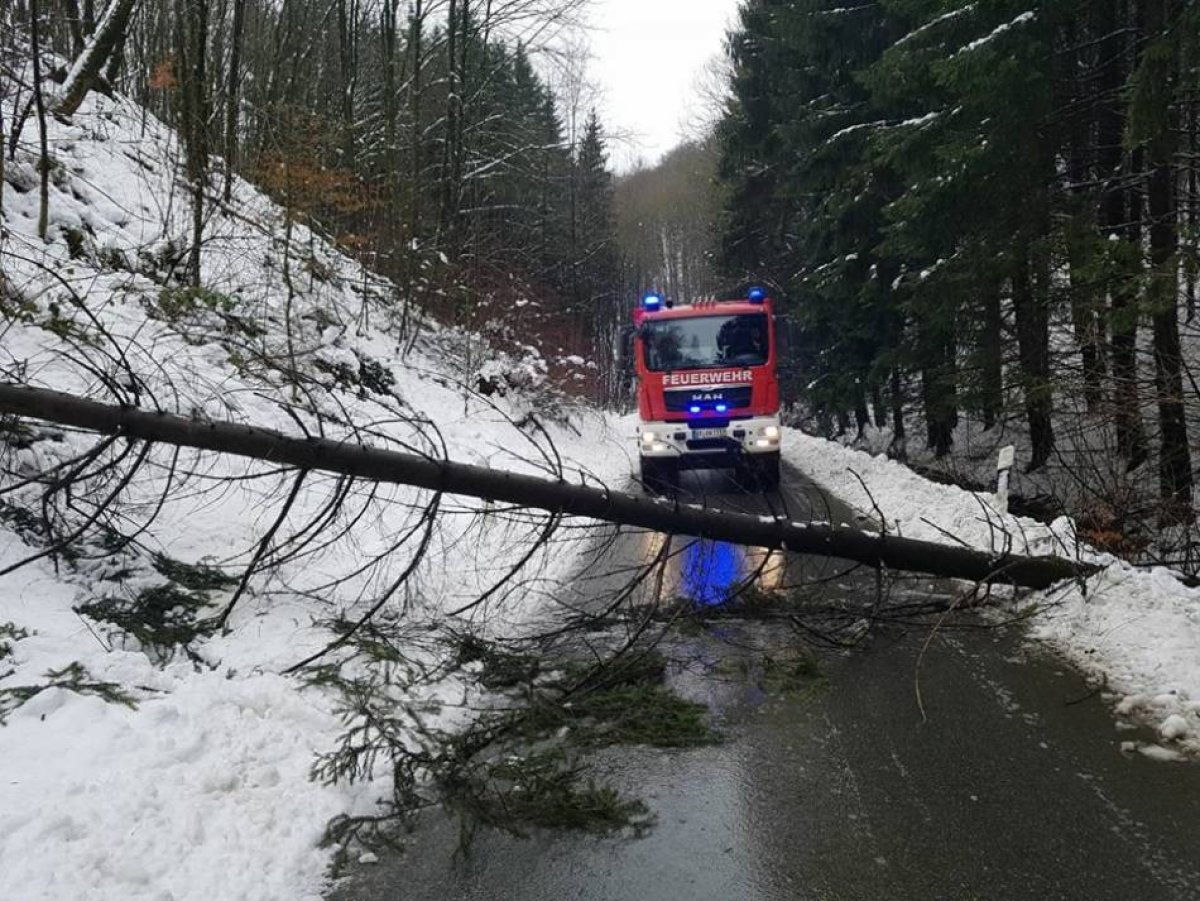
(652, 301)
(757, 294)
(711, 570)
(694, 409)
(721, 408)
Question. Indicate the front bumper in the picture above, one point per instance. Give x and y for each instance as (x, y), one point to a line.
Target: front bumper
(709, 446)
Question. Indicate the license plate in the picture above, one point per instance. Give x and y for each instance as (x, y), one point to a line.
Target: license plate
(701, 434)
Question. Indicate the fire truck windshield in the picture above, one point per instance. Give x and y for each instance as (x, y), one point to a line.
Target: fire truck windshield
(705, 342)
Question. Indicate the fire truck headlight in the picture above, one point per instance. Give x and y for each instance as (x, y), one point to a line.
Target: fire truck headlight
(649, 438)
(772, 432)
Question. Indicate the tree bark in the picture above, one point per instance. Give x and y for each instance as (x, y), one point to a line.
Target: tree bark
(1033, 350)
(416, 140)
(939, 387)
(233, 94)
(35, 33)
(373, 464)
(348, 64)
(1119, 215)
(1080, 232)
(453, 107)
(877, 406)
(1175, 460)
(192, 66)
(991, 380)
(899, 444)
(1081, 260)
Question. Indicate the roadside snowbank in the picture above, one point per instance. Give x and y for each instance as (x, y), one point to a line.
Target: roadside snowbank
(1137, 630)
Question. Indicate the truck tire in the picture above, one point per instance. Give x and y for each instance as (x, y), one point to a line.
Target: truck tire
(659, 476)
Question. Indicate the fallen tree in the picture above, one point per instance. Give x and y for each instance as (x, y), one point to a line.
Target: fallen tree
(349, 458)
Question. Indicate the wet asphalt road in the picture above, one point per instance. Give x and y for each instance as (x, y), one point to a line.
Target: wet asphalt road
(1013, 787)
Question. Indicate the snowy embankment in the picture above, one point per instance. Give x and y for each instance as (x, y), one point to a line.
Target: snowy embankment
(1137, 630)
(134, 773)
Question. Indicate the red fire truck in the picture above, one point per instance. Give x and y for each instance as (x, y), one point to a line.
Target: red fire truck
(707, 387)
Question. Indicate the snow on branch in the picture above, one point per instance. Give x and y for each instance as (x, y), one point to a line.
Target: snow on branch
(915, 122)
(945, 17)
(996, 32)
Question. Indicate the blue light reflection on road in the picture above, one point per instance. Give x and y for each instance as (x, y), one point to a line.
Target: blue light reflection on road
(711, 571)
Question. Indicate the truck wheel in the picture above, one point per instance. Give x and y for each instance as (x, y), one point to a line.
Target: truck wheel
(659, 476)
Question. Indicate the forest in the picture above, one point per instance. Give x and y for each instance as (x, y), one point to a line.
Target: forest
(420, 135)
(985, 216)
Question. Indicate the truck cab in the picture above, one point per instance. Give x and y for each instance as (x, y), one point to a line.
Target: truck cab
(707, 388)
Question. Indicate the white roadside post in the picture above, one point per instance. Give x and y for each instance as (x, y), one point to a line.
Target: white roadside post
(1003, 467)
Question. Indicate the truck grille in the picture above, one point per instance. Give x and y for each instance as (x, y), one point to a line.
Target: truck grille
(732, 398)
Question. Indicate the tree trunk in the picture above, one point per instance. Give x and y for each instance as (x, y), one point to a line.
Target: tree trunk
(939, 388)
(1033, 350)
(862, 415)
(898, 447)
(453, 106)
(560, 497)
(1082, 264)
(74, 20)
(35, 33)
(991, 378)
(1175, 461)
(347, 49)
(1080, 229)
(233, 94)
(877, 406)
(192, 45)
(416, 150)
(1119, 215)
(107, 37)
(1191, 269)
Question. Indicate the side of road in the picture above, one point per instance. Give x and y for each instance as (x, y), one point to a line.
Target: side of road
(1136, 631)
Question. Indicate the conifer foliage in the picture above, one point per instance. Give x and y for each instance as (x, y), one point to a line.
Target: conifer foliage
(982, 208)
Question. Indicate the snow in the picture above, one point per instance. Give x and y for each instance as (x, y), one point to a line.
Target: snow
(202, 789)
(933, 23)
(207, 788)
(851, 129)
(913, 506)
(1135, 630)
(996, 32)
(915, 122)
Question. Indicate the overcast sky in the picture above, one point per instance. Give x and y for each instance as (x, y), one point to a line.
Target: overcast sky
(647, 58)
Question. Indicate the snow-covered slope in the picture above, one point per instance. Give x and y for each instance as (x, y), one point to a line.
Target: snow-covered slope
(199, 786)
